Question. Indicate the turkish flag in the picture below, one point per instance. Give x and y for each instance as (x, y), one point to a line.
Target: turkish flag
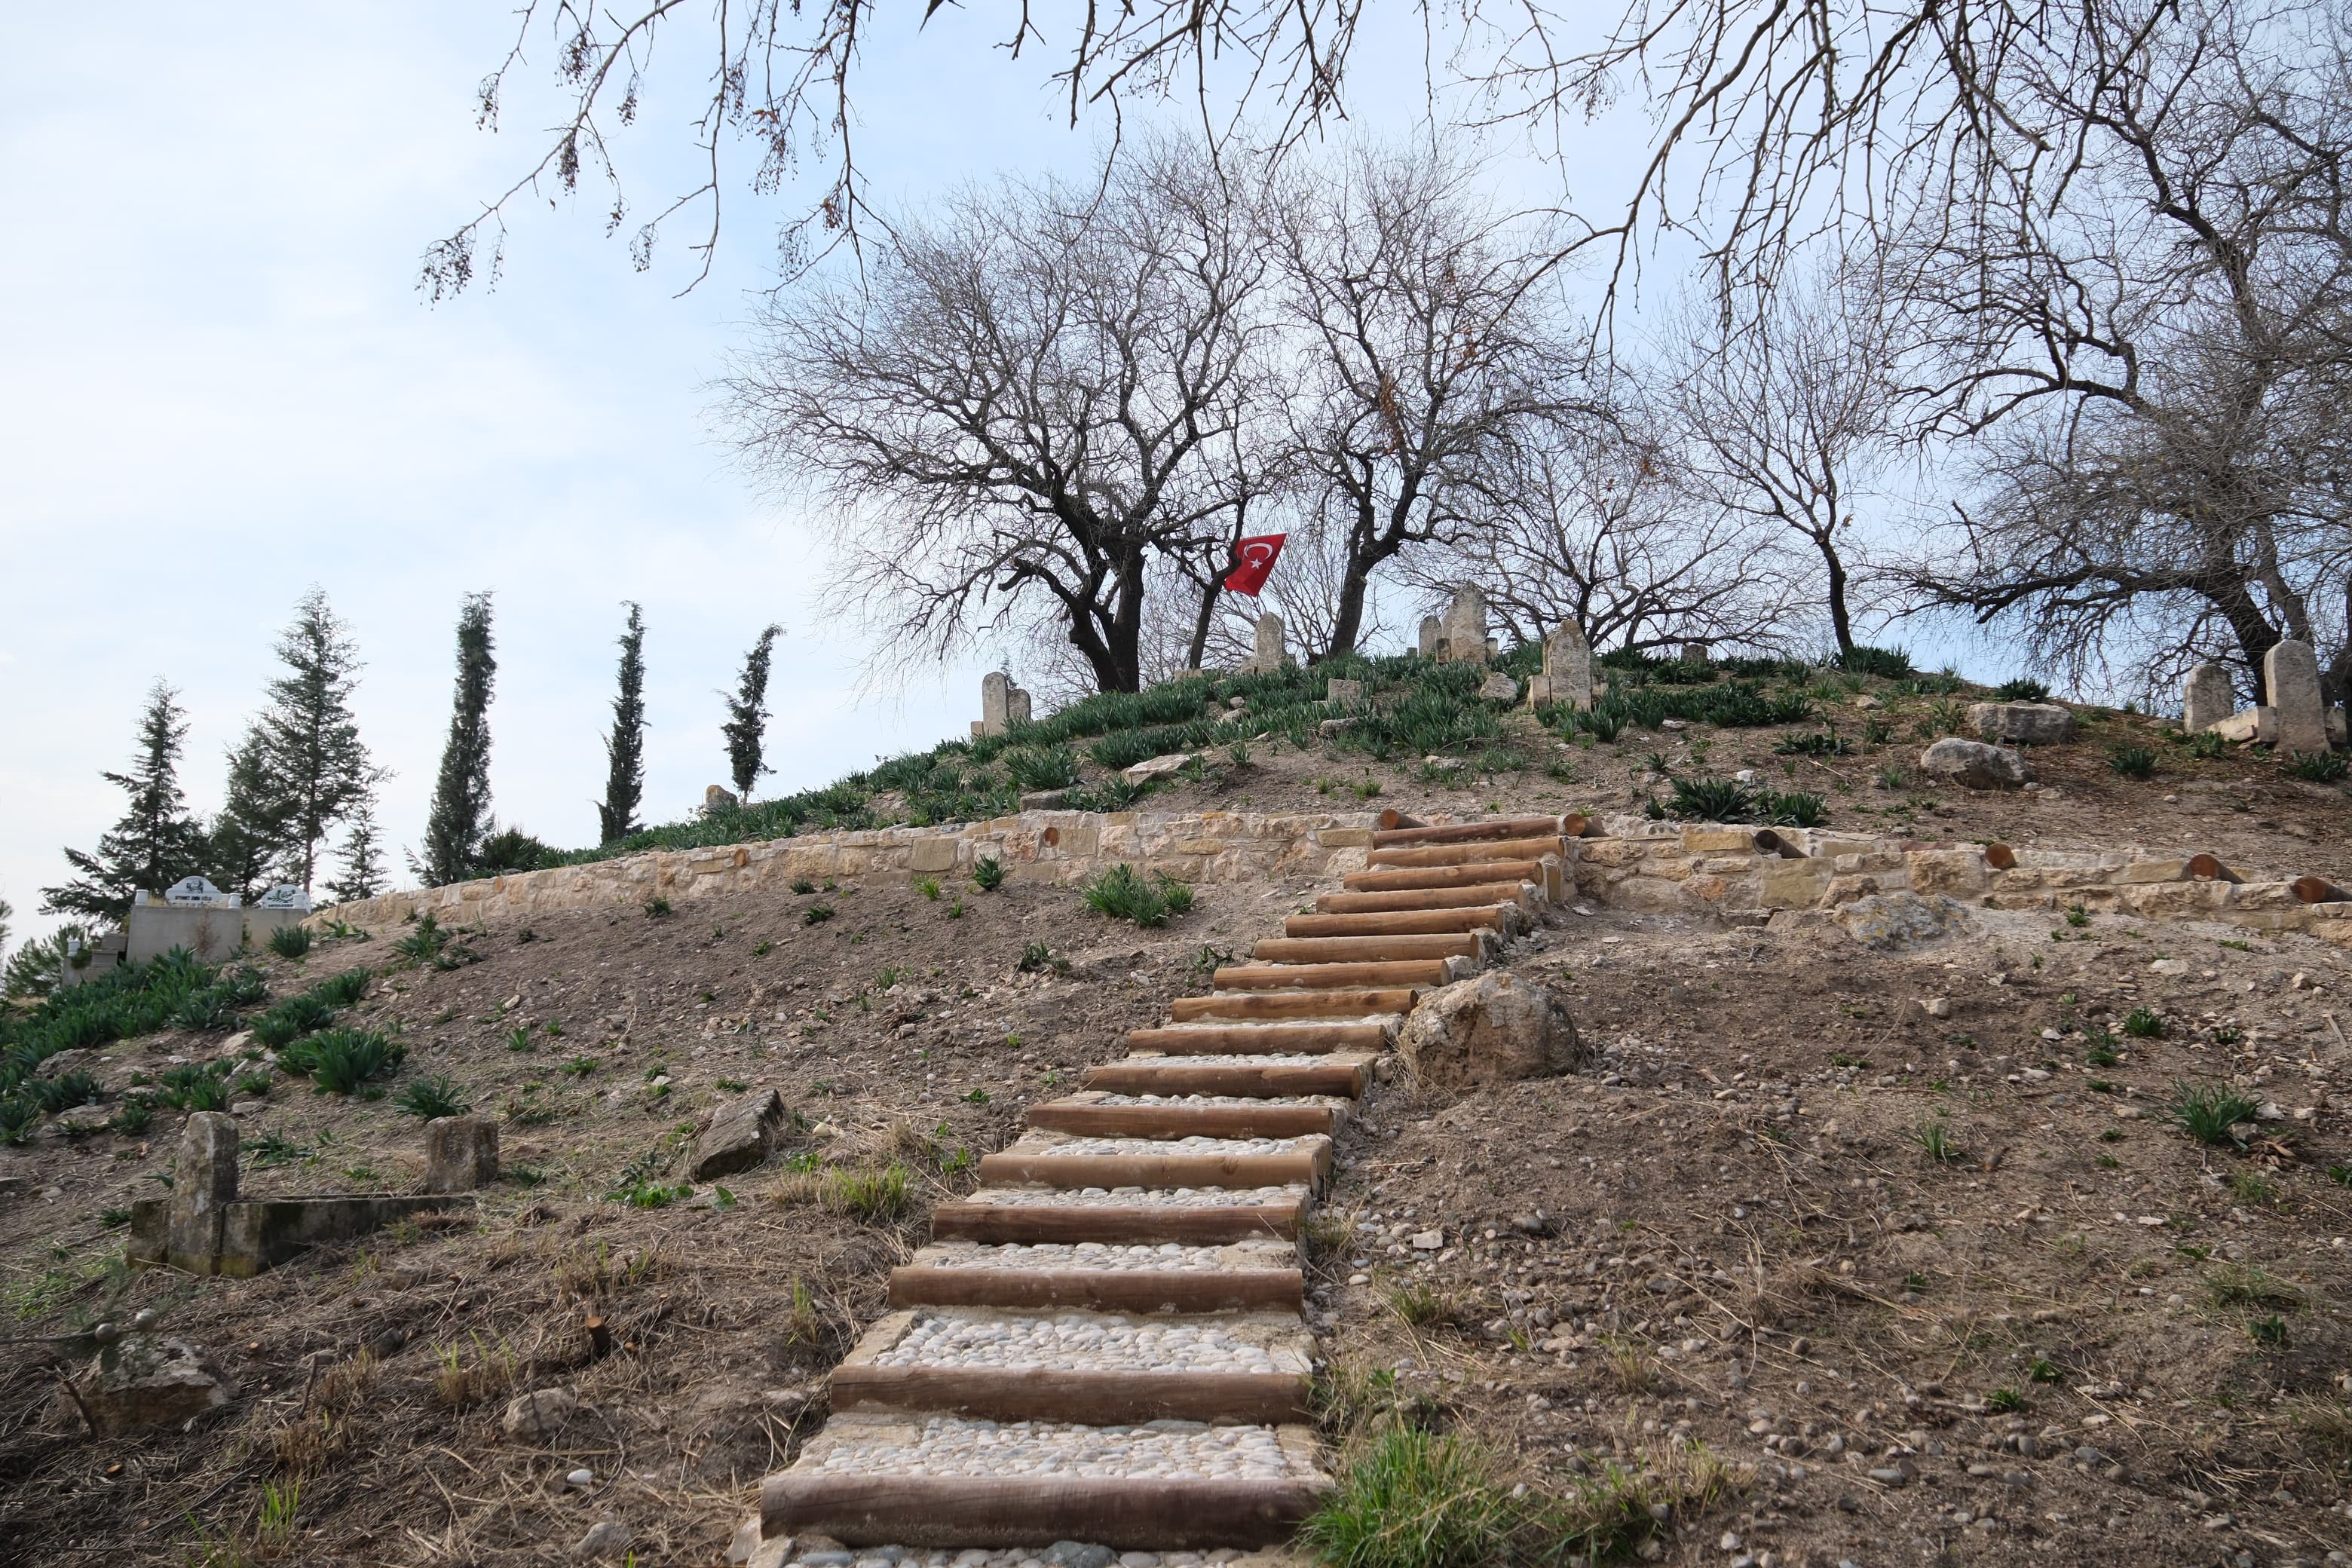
(1254, 562)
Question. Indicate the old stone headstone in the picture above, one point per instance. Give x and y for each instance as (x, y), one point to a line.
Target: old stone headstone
(1567, 677)
(1466, 625)
(1694, 653)
(1269, 649)
(2259, 725)
(2022, 723)
(995, 703)
(1347, 696)
(717, 798)
(1017, 707)
(2206, 699)
(740, 1137)
(2291, 681)
(1433, 637)
(285, 896)
(204, 1183)
(461, 1154)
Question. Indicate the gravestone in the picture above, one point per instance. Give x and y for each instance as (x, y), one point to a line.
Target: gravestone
(203, 1185)
(1567, 677)
(995, 701)
(1016, 707)
(1466, 627)
(2291, 681)
(2206, 699)
(1269, 649)
(1432, 637)
(1694, 653)
(1347, 696)
(195, 892)
(285, 896)
(461, 1154)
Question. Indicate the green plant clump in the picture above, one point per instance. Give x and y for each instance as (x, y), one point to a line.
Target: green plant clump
(341, 1060)
(2318, 767)
(2133, 762)
(1123, 894)
(290, 942)
(2208, 1112)
(433, 1097)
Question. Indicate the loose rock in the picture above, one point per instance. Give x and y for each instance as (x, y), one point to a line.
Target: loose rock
(2022, 723)
(1975, 766)
(740, 1137)
(1897, 922)
(146, 1380)
(538, 1415)
(1490, 1029)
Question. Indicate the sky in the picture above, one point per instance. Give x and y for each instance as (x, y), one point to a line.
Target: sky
(219, 386)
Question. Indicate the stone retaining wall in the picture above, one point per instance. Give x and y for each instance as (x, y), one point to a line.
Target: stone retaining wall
(1052, 845)
(1634, 864)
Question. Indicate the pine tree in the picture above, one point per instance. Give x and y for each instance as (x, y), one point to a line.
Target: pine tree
(746, 716)
(362, 875)
(310, 758)
(461, 795)
(157, 843)
(624, 747)
(251, 838)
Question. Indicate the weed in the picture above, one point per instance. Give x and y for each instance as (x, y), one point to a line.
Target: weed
(464, 1381)
(1877, 732)
(1712, 800)
(2229, 1285)
(868, 1194)
(2268, 1332)
(929, 886)
(2144, 1024)
(1795, 809)
(2041, 1369)
(1892, 777)
(1423, 1305)
(2077, 915)
(433, 1097)
(976, 1096)
(338, 1061)
(2228, 1034)
(2319, 767)
(1413, 1500)
(1821, 744)
(133, 1115)
(2207, 747)
(2340, 1175)
(1123, 894)
(518, 1039)
(271, 1149)
(2250, 1188)
(290, 942)
(2022, 689)
(988, 874)
(816, 914)
(2133, 762)
(1632, 1365)
(425, 942)
(1934, 1141)
(2005, 1400)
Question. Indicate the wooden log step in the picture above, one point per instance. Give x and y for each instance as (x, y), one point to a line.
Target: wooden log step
(1470, 854)
(1524, 898)
(1417, 972)
(1416, 878)
(1248, 1369)
(1044, 1159)
(1336, 1073)
(1355, 1005)
(1240, 1277)
(1154, 1216)
(1093, 1114)
(1275, 1038)
(859, 1481)
(1497, 918)
(1469, 832)
(1366, 948)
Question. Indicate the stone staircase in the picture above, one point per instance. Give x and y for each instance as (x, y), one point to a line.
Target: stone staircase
(1105, 1343)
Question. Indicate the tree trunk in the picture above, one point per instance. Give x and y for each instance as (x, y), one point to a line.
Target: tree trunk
(1839, 621)
(1200, 623)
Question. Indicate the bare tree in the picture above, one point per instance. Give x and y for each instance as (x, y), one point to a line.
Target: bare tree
(1788, 423)
(1597, 526)
(1027, 408)
(2154, 357)
(1436, 345)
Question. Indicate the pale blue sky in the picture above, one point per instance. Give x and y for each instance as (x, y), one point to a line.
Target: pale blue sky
(218, 386)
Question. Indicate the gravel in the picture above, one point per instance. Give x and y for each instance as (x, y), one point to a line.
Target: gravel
(1132, 1197)
(952, 1445)
(1166, 1257)
(1083, 1342)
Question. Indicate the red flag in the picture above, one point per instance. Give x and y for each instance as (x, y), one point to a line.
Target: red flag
(1254, 561)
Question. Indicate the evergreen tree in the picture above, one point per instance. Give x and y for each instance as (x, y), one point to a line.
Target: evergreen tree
(252, 836)
(362, 875)
(624, 747)
(5, 912)
(746, 716)
(310, 757)
(461, 795)
(157, 843)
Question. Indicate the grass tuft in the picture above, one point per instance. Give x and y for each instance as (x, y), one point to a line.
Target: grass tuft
(2207, 1112)
(1122, 893)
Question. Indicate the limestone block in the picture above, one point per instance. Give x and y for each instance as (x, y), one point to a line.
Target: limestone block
(1432, 637)
(1957, 871)
(1493, 1029)
(1159, 767)
(2174, 901)
(2258, 725)
(1792, 884)
(740, 1136)
(1466, 627)
(1646, 895)
(1344, 695)
(2022, 723)
(461, 1154)
(1846, 889)
(1974, 764)
(203, 1185)
(1082, 842)
(1499, 688)
(932, 855)
(1703, 890)
(1344, 837)
(1702, 839)
(2020, 899)
(2153, 871)
(2206, 698)
(1900, 923)
(1730, 865)
(717, 798)
(2291, 682)
(148, 1380)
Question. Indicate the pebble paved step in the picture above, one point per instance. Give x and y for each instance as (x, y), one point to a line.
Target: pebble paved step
(1527, 897)
(1058, 1160)
(1104, 1114)
(1412, 879)
(1251, 1039)
(1197, 1215)
(941, 1481)
(1506, 849)
(1265, 1076)
(1099, 1367)
(1368, 949)
(1353, 1004)
(1499, 917)
(1414, 972)
(1253, 1276)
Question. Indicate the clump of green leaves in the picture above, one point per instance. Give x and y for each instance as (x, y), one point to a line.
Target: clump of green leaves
(2133, 762)
(2022, 689)
(2207, 1112)
(988, 874)
(339, 1061)
(1935, 1139)
(1122, 893)
(2144, 1024)
(2318, 767)
(290, 942)
(429, 1098)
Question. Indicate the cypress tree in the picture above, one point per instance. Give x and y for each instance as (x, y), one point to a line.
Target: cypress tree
(625, 746)
(157, 843)
(461, 795)
(362, 875)
(252, 836)
(310, 757)
(746, 716)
